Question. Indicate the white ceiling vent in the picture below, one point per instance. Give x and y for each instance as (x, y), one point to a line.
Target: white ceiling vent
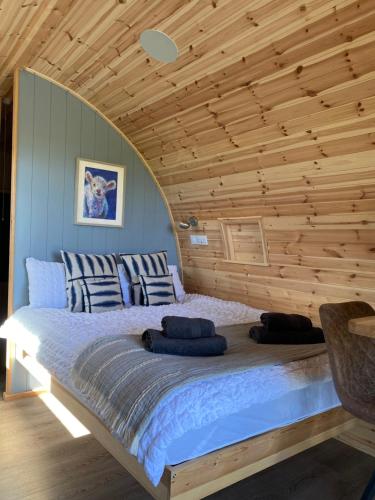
(159, 45)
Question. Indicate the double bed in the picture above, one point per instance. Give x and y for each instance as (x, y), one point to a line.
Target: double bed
(201, 433)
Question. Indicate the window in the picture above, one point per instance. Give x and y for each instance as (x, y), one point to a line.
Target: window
(244, 240)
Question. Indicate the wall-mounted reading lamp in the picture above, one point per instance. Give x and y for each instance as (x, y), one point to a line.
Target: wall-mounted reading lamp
(191, 222)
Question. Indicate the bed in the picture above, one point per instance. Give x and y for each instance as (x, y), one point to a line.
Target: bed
(255, 417)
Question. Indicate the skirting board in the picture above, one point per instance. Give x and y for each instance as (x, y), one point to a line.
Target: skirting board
(198, 478)
(21, 395)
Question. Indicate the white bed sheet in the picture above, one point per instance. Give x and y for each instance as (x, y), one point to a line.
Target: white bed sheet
(56, 337)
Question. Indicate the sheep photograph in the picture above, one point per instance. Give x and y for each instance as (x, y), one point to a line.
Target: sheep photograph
(99, 202)
(99, 193)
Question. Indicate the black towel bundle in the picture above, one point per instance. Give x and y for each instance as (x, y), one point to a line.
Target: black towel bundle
(180, 327)
(280, 328)
(185, 337)
(281, 322)
(156, 342)
(263, 336)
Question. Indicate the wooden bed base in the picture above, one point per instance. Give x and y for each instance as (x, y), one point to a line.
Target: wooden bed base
(198, 478)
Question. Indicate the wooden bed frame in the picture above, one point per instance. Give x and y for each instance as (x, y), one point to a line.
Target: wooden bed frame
(202, 476)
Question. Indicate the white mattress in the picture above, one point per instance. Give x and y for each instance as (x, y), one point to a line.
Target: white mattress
(315, 398)
(279, 395)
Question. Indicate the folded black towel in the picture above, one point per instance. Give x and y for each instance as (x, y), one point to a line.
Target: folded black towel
(277, 322)
(179, 327)
(262, 336)
(156, 342)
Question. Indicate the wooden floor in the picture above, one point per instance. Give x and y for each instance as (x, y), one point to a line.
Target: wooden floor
(39, 460)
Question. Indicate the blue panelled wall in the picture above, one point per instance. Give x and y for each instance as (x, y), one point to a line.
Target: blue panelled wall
(54, 128)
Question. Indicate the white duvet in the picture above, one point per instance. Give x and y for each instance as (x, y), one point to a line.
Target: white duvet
(55, 337)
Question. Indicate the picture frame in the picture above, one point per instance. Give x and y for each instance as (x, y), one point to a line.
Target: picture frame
(99, 197)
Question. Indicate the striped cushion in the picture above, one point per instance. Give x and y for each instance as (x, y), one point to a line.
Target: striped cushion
(148, 264)
(158, 290)
(82, 266)
(101, 294)
(136, 295)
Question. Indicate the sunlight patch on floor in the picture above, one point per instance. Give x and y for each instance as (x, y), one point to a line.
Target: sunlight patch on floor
(69, 421)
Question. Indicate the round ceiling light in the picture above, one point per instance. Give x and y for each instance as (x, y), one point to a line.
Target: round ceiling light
(159, 45)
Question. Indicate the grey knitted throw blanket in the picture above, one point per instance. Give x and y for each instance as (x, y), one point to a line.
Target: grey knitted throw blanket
(123, 383)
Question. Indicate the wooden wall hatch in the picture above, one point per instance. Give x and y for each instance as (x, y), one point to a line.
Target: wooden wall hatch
(244, 240)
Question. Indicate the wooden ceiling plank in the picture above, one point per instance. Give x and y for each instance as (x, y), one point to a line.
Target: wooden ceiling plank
(299, 153)
(335, 97)
(128, 60)
(351, 196)
(167, 70)
(250, 157)
(303, 170)
(71, 41)
(249, 63)
(123, 52)
(345, 179)
(326, 117)
(272, 89)
(20, 52)
(183, 79)
(55, 37)
(263, 141)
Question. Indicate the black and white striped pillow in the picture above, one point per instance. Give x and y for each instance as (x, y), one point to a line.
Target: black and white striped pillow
(101, 294)
(82, 266)
(147, 264)
(136, 295)
(158, 290)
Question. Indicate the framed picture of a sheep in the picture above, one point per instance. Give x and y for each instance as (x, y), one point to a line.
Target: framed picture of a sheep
(99, 193)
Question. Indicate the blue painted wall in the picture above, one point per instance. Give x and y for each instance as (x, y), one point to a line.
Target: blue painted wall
(54, 128)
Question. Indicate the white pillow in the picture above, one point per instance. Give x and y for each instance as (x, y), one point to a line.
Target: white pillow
(46, 283)
(178, 288)
(125, 287)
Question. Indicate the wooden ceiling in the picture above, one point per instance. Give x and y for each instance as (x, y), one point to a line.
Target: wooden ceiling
(253, 55)
(269, 111)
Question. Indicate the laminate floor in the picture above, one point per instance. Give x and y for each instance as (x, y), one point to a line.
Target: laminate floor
(40, 460)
